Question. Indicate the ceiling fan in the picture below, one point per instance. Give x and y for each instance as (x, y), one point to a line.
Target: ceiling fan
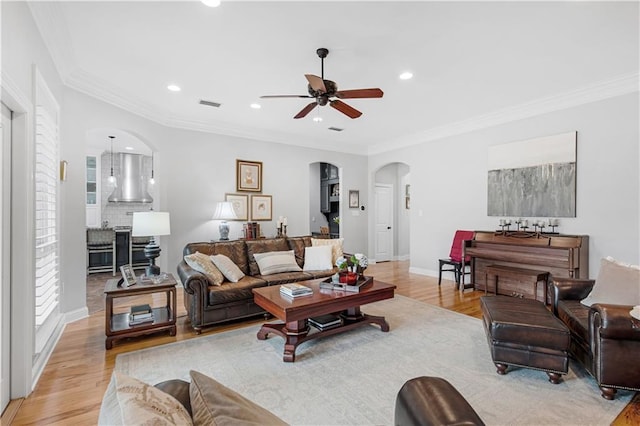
(325, 90)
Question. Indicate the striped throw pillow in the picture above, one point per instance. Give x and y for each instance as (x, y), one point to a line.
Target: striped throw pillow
(274, 262)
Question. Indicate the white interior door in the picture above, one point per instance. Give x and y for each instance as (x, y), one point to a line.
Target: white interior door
(383, 204)
(5, 260)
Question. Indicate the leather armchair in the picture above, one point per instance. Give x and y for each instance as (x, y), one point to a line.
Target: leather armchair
(605, 339)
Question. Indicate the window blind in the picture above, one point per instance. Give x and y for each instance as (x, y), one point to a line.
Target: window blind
(47, 277)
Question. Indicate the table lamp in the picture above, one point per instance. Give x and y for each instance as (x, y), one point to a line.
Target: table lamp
(224, 211)
(151, 224)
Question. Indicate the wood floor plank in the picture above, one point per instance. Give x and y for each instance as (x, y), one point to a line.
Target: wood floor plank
(73, 383)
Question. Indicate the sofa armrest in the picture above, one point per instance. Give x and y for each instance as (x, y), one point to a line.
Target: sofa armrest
(194, 282)
(613, 322)
(570, 289)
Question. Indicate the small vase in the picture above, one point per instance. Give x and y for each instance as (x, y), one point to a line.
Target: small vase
(352, 277)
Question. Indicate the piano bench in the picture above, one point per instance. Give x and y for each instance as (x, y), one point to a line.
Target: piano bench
(523, 332)
(523, 279)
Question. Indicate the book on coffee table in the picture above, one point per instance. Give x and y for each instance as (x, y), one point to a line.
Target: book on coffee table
(324, 322)
(294, 290)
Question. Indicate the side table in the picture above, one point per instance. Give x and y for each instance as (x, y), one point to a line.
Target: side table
(164, 318)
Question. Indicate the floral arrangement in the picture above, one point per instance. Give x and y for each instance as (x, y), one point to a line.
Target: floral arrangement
(356, 263)
(336, 220)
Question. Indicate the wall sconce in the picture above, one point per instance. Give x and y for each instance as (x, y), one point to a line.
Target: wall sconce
(63, 170)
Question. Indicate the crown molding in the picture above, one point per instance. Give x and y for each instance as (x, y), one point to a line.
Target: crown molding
(90, 85)
(617, 86)
(52, 25)
(9, 89)
(95, 87)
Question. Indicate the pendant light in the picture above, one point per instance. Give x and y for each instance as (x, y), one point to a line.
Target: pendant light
(152, 181)
(112, 178)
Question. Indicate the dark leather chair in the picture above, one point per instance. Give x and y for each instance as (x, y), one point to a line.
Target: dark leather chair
(459, 264)
(433, 401)
(605, 339)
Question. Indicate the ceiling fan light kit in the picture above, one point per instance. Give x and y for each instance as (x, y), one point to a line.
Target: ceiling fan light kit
(325, 91)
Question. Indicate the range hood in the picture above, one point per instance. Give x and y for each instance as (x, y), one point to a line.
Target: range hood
(131, 183)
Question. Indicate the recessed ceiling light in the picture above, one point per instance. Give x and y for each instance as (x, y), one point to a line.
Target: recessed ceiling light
(174, 88)
(317, 119)
(406, 75)
(128, 148)
(211, 3)
(256, 106)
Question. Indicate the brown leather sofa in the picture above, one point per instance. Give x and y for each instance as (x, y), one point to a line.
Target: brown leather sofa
(604, 337)
(208, 304)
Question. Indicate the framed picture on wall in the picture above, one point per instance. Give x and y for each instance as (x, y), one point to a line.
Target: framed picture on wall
(240, 205)
(248, 176)
(354, 199)
(261, 207)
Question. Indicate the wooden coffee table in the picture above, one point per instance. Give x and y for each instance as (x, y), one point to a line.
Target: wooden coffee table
(295, 312)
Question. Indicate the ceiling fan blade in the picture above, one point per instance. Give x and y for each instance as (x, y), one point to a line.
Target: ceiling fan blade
(306, 110)
(360, 93)
(285, 96)
(316, 83)
(346, 109)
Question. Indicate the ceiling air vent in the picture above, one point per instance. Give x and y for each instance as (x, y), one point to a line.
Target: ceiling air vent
(336, 129)
(210, 103)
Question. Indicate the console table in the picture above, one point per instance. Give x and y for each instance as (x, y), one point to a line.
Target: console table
(164, 318)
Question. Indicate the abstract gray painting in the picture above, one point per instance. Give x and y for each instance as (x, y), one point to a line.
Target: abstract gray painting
(534, 178)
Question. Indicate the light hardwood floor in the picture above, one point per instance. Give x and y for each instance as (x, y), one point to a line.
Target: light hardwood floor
(71, 388)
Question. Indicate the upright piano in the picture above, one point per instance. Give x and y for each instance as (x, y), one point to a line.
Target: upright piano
(559, 255)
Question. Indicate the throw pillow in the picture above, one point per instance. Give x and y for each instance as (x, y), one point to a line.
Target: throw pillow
(202, 263)
(617, 284)
(229, 269)
(335, 243)
(276, 261)
(317, 258)
(129, 401)
(215, 404)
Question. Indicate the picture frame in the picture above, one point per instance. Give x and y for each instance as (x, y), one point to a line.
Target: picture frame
(240, 205)
(261, 207)
(248, 176)
(128, 276)
(354, 199)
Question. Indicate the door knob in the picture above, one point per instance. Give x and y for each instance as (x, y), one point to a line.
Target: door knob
(388, 227)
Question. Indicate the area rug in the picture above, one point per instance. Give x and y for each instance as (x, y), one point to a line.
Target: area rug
(354, 377)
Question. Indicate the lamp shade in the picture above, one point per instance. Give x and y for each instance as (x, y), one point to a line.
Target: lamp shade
(150, 224)
(224, 211)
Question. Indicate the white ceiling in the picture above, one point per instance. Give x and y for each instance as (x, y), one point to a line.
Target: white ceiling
(474, 63)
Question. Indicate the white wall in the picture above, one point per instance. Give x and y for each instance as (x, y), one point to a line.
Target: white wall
(449, 181)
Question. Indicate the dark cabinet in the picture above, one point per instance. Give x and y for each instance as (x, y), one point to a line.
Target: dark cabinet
(330, 195)
(122, 248)
(324, 197)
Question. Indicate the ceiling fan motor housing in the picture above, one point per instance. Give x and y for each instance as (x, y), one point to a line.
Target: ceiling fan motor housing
(331, 87)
